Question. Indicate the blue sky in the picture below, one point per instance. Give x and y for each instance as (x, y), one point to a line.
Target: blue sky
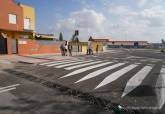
(115, 19)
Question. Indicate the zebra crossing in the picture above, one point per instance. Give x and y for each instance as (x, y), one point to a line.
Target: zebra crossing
(137, 79)
(96, 68)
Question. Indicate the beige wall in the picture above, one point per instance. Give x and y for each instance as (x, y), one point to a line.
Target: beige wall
(142, 43)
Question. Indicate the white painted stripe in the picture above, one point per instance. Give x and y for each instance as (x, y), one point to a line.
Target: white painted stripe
(46, 63)
(9, 86)
(98, 72)
(114, 76)
(136, 57)
(143, 60)
(66, 65)
(86, 69)
(58, 61)
(61, 63)
(82, 65)
(6, 90)
(137, 79)
(137, 63)
(161, 88)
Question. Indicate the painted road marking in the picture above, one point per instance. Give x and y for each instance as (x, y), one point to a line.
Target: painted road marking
(143, 60)
(135, 57)
(114, 76)
(6, 90)
(136, 80)
(66, 65)
(46, 63)
(137, 63)
(82, 65)
(150, 64)
(86, 69)
(15, 85)
(61, 63)
(98, 72)
(161, 88)
(57, 61)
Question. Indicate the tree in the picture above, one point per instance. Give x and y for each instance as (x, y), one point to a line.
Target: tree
(61, 37)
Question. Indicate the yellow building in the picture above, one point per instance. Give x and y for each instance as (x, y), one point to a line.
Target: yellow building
(29, 17)
(83, 46)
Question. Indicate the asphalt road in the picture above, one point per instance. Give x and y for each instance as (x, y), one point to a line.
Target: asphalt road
(34, 98)
(133, 78)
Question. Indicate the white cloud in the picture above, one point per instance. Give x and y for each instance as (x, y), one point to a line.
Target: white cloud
(87, 21)
(122, 22)
(88, 18)
(132, 24)
(142, 3)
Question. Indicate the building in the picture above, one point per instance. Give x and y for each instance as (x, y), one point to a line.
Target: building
(29, 17)
(83, 46)
(101, 43)
(45, 36)
(17, 21)
(127, 44)
(156, 45)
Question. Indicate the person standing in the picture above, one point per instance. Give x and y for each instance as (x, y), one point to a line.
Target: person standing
(62, 48)
(89, 49)
(66, 48)
(97, 49)
(70, 49)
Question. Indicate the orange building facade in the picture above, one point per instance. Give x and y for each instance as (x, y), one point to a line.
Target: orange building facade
(17, 31)
(7, 9)
(11, 26)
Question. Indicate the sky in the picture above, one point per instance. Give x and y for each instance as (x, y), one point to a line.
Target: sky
(114, 19)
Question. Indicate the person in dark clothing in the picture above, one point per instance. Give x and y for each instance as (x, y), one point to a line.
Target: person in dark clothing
(87, 51)
(70, 49)
(62, 48)
(66, 49)
(97, 49)
(91, 51)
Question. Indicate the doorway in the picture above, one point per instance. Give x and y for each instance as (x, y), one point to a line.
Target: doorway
(14, 46)
(3, 45)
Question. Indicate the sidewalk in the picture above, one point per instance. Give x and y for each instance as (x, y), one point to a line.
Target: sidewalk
(9, 59)
(51, 57)
(35, 59)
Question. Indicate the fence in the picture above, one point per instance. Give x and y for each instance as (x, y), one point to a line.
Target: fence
(28, 47)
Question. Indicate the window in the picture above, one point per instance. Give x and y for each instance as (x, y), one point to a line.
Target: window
(12, 19)
(26, 23)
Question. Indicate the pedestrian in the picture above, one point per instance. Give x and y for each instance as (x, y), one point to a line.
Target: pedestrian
(87, 51)
(97, 49)
(66, 48)
(91, 51)
(70, 49)
(90, 48)
(62, 49)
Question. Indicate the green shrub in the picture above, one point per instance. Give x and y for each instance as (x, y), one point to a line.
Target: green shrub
(163, 50)
(31, 37)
